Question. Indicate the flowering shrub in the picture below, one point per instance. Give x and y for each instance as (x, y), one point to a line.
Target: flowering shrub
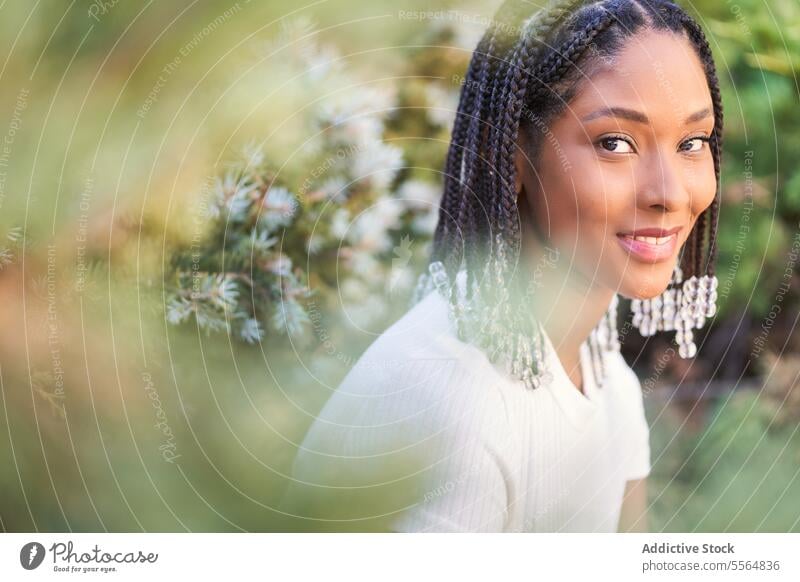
(338, 221)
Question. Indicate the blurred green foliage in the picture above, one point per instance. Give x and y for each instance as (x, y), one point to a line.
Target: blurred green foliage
(740, 474)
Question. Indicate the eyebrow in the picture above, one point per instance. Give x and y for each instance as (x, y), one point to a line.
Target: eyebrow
(639, 117)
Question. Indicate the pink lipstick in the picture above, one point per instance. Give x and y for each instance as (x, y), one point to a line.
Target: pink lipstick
(650, 245)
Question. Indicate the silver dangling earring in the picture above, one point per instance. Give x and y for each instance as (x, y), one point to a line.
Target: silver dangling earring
(604, 338)
(524, 353)
(658, 313)
(683, 306)
(699, 299)
(423, 287)
(606, 330)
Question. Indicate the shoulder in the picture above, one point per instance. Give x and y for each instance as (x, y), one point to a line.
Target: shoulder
(418, 357)
(416, 381)
(632, 418)
(417, 432)
(417, 413)
(626, 387)
(627, 393)
(624, 376)
(424, 332)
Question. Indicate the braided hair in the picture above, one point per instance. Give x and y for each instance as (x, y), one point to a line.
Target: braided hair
(524, 71)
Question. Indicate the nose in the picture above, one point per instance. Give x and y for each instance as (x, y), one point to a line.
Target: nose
(663, 186)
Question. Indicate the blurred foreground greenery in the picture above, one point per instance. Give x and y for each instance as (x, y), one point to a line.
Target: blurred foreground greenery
(180, 174)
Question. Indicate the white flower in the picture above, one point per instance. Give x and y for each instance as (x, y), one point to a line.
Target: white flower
(281, 265)
(377, 164)
(289, 317)
(357, 115)
(314, 243)
(442, 105)
(334, 189)
(426, 223)
(364, 264)
(261, 241)
(466, 34)
(360, 131)
(235, 194)
(178, 310)
(340, 222)
(251, 331)
(279, 207)
(226, 294)
(353, 290)
(371, 229)
(253, 155)
(321, 61)
(420, 194)
(218, 195)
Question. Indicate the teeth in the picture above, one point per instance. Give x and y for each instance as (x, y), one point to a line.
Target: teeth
(651, 239)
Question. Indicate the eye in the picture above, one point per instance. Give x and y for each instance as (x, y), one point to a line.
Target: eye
(616, 144)
(694, 144)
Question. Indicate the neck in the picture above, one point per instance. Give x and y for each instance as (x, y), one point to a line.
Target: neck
(568, 306)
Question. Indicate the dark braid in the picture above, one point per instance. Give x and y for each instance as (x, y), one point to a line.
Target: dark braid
(700, 42)
(671, 16)
(520, 86)
(457, 211)
(551, 69)
(535, 72)
(539, 27)
(487, 66)
(452, 195)
(460, 142)
(692, 261)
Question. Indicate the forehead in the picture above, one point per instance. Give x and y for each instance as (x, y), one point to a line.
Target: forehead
(658, 73)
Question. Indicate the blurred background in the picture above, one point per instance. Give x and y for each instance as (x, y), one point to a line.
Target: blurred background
(210, 208)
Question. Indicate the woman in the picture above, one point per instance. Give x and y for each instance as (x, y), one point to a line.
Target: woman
(584, 163)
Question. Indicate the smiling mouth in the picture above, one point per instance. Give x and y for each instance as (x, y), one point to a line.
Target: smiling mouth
(649, 249)
(651, 240)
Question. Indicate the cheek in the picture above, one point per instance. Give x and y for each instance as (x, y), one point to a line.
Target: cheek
(598, 198)
(585, 209)
(582, 208)
(702, 186)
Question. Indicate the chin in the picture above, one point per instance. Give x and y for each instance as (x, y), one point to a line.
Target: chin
(645, 285)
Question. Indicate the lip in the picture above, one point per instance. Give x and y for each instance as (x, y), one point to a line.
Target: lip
(660, 232)
(649, 252)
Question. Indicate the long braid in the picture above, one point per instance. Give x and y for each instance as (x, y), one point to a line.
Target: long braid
(698, 38)
(462, 142)
(667, 14)
(507, 81)
(467, 193)
(699, 243)
(452, 195)
(454, 156)
(480, 170)
(524, 86)
(491, 188)
(539, 26)
(694, 247)
(504, 135)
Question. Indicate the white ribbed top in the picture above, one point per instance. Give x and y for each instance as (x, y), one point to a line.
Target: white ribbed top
(497, 456)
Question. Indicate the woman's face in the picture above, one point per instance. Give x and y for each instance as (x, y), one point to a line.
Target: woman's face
(627, 158)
